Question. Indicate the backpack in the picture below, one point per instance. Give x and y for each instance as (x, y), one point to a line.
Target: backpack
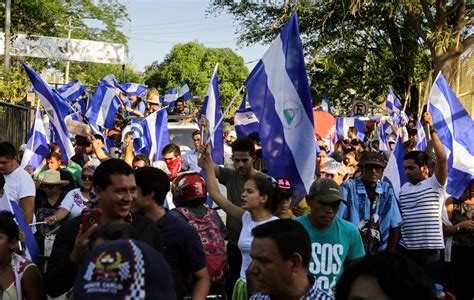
(213, 242)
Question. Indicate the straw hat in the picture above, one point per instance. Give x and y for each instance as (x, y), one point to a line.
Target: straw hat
(53, 177)
(155, 99)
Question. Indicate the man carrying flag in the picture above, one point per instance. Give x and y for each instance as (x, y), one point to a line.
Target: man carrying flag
(421, 200)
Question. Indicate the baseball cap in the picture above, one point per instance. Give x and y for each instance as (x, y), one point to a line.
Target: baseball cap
(333, 167)
(372, 158)
(124, 269)
(391, 139)
(326, 190)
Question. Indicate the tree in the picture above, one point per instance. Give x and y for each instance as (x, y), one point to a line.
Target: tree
(194, 63)
(363, 46)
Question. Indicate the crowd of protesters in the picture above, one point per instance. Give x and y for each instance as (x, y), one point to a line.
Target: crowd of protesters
(160, 235)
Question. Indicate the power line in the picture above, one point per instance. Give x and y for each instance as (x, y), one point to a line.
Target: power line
(188, 31)
(183, 26)
(174, 43)
(174, 22)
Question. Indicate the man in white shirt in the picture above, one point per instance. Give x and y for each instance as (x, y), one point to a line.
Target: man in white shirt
(19, 185)
(421, 201)
(191, 157)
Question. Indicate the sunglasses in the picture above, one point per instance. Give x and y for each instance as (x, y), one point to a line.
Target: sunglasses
(86, 177)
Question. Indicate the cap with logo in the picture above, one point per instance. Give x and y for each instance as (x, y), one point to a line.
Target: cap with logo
(326, 190)
(124, 269)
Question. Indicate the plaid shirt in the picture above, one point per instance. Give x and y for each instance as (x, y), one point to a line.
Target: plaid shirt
(314, 293)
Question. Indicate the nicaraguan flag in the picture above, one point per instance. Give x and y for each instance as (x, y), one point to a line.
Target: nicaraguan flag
(211, 108)
(381, 133)
(72, 90)
(395, 170)
(32, 249)
(455, 130)
(171, 95)
(37, 146)
(104, 106)
(108, 143)
(343, 124)
(151, 134)
(133, 89)
(421, 143)
(57, 109)
(279, 95)
(325, 105)
(392, 102)
(184, 91)
(245, 121)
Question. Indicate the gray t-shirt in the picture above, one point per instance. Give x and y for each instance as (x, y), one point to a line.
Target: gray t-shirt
(235, 186)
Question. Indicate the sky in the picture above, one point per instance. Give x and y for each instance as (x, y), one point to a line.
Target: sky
(157, 25)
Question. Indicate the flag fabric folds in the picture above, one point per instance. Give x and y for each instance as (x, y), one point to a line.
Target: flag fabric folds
(184, 91)
(392, 102)
(421, 143)
(343, 124)
(381, 136)
(395, 171)
(32, 248)
(57, 109)
(104, 106)
(245, 121)
(151, 134)
(37, 145)
(211, 108)
(72, 90)
(133, 89)
(279, 95)
(455, 129)
(171, 95)
(325, 105)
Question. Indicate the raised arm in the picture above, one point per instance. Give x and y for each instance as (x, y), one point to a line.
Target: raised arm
(205, 162)
(441, 166)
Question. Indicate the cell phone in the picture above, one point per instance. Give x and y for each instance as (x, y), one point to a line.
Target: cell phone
(90, 216)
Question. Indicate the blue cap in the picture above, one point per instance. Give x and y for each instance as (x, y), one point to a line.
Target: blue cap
(124, 269)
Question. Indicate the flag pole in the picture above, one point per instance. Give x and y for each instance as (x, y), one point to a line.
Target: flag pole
(225, 111)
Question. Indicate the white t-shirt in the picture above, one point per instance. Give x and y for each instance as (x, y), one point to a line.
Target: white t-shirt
(245, 240)
(421, 205)
(74, 202)
(19, 184)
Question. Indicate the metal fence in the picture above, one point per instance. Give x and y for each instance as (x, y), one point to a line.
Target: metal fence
(15, 123)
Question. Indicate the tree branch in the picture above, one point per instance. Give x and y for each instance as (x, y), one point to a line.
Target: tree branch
(428, 15)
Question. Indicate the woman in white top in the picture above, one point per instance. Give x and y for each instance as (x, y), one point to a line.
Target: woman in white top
(76, 200)
(259, 201)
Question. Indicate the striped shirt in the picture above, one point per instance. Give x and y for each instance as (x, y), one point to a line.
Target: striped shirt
(421, 206)
(314, 293)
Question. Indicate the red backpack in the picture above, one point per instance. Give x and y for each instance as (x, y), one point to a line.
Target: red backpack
(213, 242)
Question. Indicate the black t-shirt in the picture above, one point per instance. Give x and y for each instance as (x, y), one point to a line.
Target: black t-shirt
(183, 249)
(44, 209)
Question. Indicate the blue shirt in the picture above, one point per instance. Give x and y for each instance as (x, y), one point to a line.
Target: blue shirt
(387, 209)
(331, 248)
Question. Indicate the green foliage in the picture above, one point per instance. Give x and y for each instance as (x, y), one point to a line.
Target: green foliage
(12, 85)
(360, 48)
(91, 73)
(194, 63)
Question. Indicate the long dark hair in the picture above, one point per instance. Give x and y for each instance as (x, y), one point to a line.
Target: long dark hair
(268, 186)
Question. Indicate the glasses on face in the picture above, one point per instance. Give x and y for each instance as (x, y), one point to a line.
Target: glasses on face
(86, 177)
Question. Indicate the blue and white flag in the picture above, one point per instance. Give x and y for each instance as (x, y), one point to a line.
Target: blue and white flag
(343, 125)
(421, 143)
(279, 95)
(108, 143)
(184, 91)
(72, 90)
(32, 248)
(171, 95)
(325, 105)
(381, 136)
(104, 106)
(37, 145)
(133, 89)
(211, 108)
(395, 170)
(57, 109)
(151, 134)
(455, 129)
(392, 102)
(245, 121)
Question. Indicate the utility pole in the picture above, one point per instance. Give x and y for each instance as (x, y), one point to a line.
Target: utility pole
(7, 34)
(68, 63)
